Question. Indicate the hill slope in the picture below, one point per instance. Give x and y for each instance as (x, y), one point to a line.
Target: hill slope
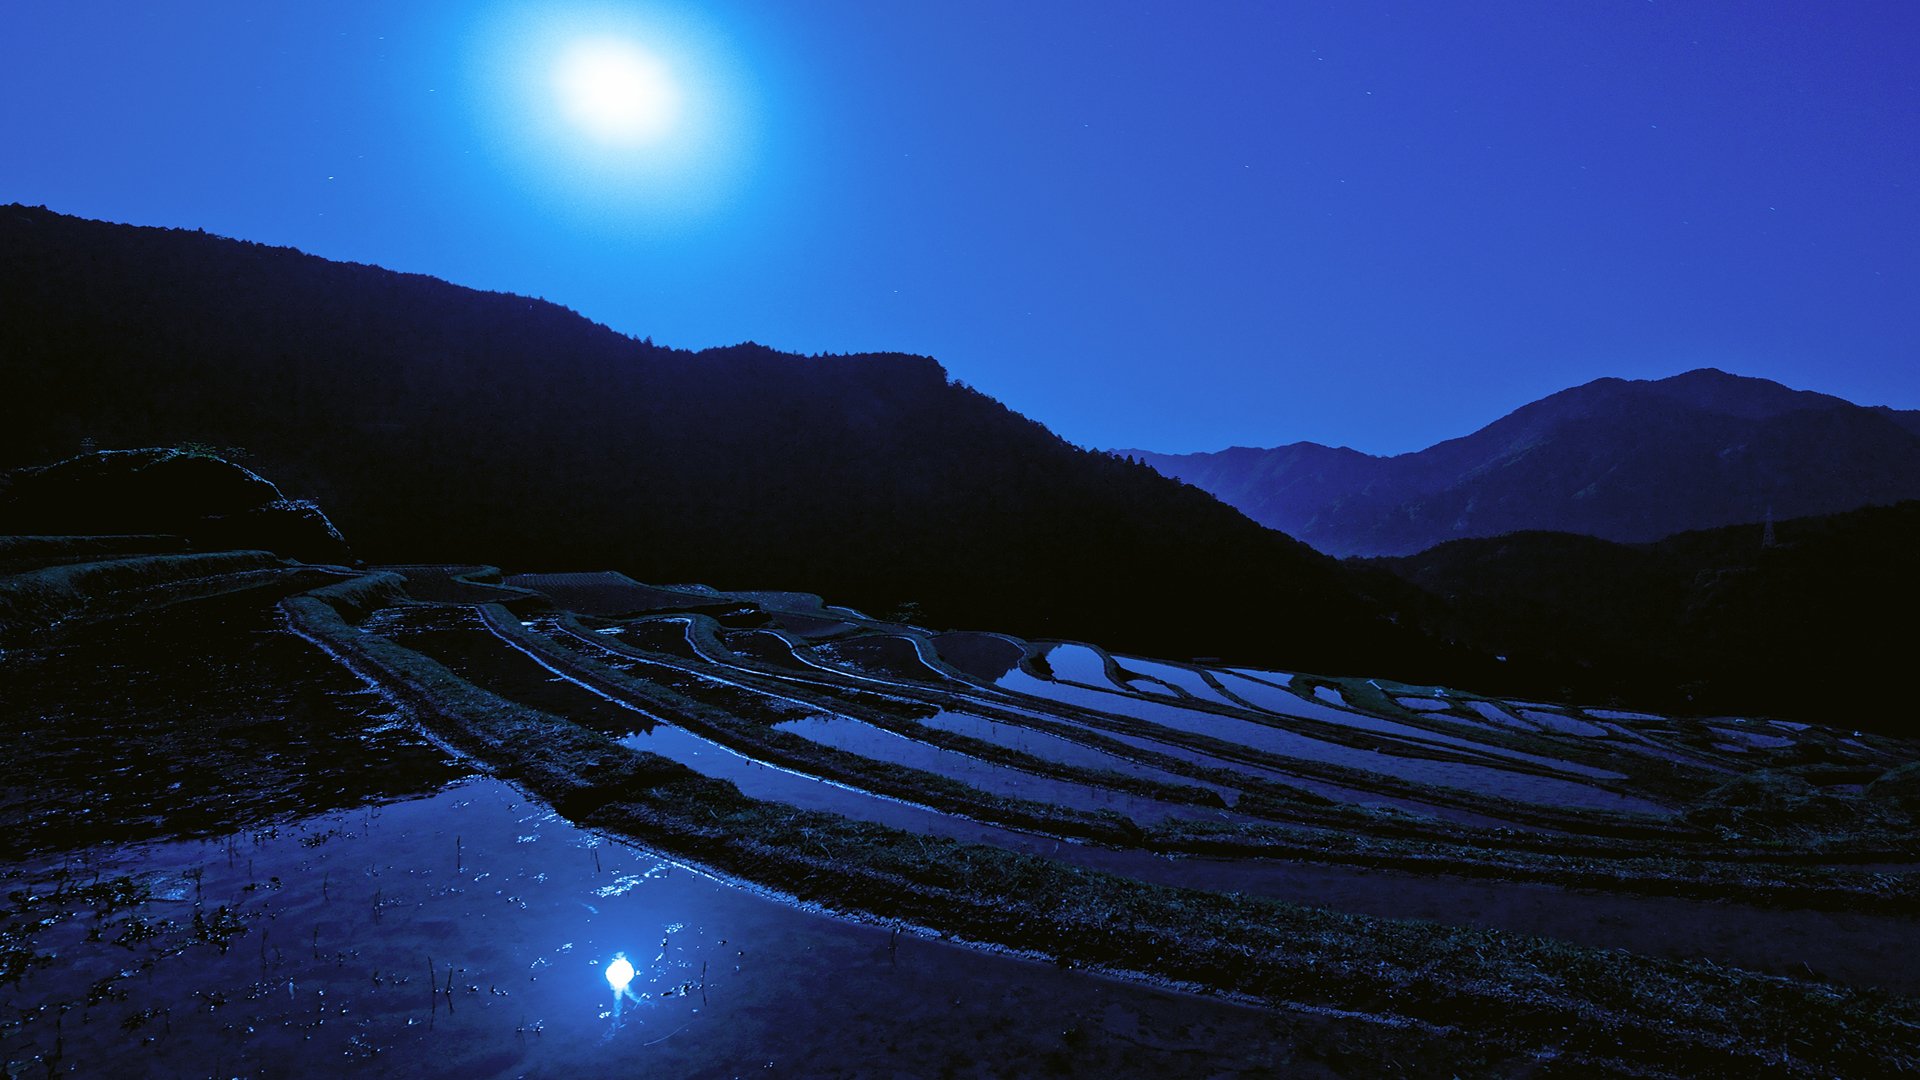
(437, 422)
(1816, 627)
(1623, 460)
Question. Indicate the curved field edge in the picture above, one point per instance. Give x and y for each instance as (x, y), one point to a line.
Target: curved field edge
(1582, 1007)
(1762, 875)
(1355, 837)
(889, 780)
(63, 595)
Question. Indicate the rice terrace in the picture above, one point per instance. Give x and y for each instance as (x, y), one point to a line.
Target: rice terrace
(517, 820)
(561, 539)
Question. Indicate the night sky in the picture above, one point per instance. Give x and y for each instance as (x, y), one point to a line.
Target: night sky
(1172, 226)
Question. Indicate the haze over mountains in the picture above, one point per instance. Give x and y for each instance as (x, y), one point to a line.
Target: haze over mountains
(1629, 461)
(437, 423)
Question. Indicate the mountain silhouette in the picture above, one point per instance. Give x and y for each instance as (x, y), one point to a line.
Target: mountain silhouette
(1814, 625)
(1624, 460)
(439, 423)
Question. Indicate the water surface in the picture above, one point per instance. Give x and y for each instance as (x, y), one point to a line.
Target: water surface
(330, 943)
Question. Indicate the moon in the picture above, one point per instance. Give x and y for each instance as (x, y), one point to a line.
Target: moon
(617, 93)
(615, 115)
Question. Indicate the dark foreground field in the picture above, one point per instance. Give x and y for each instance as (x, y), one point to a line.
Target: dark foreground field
(267, 819)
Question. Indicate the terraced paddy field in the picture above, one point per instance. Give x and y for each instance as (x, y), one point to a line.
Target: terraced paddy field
(265, 818)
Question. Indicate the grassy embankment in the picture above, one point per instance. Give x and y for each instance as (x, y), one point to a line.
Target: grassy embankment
(69, 593)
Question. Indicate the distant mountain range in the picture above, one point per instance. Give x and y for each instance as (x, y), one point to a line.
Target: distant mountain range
(439, 423)
(1624, 460)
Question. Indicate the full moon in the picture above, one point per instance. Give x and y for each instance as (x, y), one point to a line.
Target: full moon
(615, 114)
(616, 92)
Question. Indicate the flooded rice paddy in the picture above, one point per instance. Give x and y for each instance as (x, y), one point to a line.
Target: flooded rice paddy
(1040, 744)
(869, 741)
(1187, 679)
(472, 933)
(1078, 663)
(1483, 779)
(229, 855)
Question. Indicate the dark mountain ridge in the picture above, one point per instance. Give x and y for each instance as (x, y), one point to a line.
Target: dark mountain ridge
(441, 423)
(1816, 626)
(1624, 460)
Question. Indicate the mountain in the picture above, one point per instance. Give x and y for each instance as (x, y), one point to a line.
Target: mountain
(1816, 626)
(1624, 460)
(440, 423)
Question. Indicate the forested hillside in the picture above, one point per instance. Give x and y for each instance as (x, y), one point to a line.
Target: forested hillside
(439, 423)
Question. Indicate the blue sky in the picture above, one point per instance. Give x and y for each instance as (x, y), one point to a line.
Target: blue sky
(1174, 226)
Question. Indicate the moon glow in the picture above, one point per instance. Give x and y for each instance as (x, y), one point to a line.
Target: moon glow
(616, 116)
(617, 93)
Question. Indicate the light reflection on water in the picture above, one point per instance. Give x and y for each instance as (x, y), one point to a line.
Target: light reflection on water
(1488, 779)
(1078, 663)
(430, 938)
(880, 744)
(620, 977)
(440, 927)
